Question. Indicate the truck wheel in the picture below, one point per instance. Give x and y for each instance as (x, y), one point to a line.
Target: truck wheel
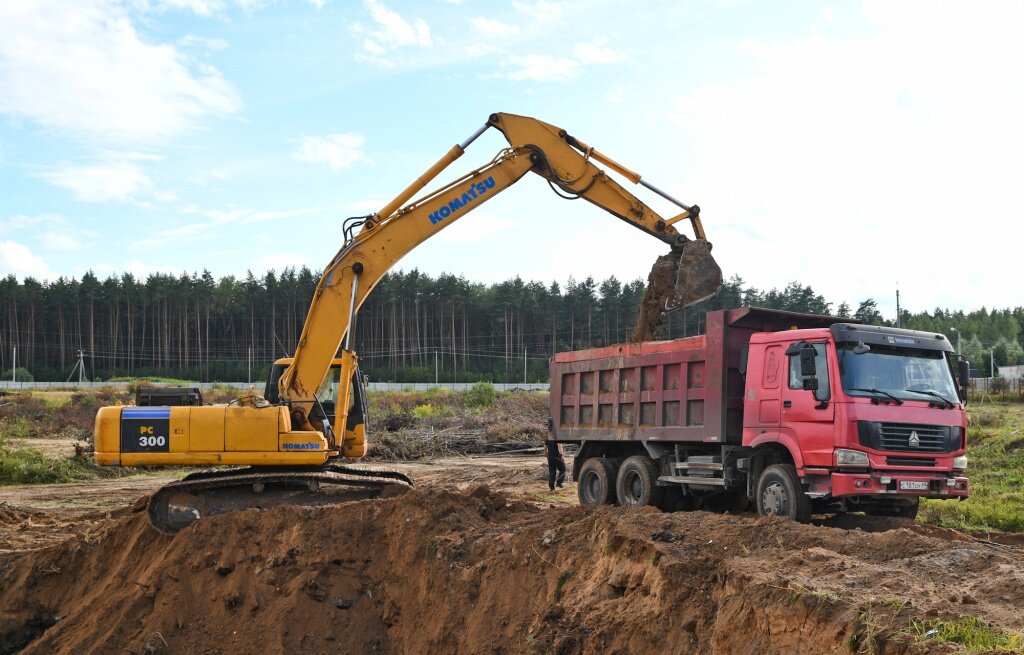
(909, 510)
(779, 492)
(596, 484)
(636, 483)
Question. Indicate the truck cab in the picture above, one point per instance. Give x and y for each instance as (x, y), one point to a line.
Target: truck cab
(870, 417)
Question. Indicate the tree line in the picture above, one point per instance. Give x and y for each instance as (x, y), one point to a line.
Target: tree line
(413, 327)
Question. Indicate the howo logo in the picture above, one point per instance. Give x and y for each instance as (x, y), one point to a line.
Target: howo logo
(914, 440)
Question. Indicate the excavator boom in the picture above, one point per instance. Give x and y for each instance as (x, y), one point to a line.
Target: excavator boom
(292, 441)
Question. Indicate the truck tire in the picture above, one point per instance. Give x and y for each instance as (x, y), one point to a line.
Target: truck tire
(779, 492)
(636, 483)
(596, 484)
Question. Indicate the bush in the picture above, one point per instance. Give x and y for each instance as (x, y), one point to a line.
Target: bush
(23, 375)
(30, 466)
(481, 394)
(423, 411)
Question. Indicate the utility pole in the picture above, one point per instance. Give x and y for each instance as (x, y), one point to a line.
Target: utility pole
(249, 363)
(897, 306)
(957, 339)
(14, 365)
(436, 374)
(992, 362)
(524, 366)
(81, 365)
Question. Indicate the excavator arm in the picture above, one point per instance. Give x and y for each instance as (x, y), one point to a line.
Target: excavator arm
(385, 237)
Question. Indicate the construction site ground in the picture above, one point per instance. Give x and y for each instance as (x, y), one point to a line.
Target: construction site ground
(481, 558)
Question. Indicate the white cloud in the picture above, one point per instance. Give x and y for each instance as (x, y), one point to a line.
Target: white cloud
(203, 43)
(18, 260)
(590, 53)
(393, 32)
(51, 229)
(205, 8)
(618, 93)
(21, 222)
(319, 4)
(83, 69)
(543, 68)
(122, 181)
(548, 68)
(61, 241)
(541, 11)
(493, 29)
(336, 150)
(866, 146)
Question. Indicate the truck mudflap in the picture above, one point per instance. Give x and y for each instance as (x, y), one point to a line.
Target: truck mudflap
(899, 483)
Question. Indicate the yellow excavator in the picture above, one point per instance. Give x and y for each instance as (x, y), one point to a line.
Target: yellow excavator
(312, 415)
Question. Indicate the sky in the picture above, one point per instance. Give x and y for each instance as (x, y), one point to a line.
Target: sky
(853, 147)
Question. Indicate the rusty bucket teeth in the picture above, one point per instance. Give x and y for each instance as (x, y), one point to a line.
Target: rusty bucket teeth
(698, 276)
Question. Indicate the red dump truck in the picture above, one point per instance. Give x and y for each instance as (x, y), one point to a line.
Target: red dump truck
(794, 413)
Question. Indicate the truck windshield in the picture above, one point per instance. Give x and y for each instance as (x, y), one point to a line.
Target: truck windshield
(903, 373)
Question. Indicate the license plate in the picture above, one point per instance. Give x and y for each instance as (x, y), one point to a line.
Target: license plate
(913, 485)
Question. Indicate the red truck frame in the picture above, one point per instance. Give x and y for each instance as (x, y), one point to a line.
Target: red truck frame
(795, 413)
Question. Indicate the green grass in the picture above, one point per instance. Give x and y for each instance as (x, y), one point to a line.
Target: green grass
(20, 465)
(174, 382)
(995, 453)
(970, 632)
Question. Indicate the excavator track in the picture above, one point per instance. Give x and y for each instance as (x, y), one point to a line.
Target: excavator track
(208, 493)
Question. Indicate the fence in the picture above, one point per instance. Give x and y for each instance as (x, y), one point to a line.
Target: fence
(372, 386)
(997, 389)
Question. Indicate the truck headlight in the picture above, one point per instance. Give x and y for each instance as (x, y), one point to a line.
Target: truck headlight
(846, 457)
(960, 463)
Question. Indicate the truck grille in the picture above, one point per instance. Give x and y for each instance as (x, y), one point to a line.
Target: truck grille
(913, 437)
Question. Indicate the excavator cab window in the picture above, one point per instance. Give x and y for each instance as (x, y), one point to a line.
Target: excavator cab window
(270, 391)
(357, 402)
(327, 394)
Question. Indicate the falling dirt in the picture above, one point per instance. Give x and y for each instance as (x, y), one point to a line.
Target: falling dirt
(683, 277)
(489, 568)
(661, 281)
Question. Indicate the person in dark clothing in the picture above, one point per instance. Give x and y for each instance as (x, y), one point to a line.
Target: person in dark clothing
(556, 464)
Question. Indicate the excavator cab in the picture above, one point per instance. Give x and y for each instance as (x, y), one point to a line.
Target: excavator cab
(329, 396)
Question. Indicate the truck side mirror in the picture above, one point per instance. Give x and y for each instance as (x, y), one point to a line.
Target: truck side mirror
(810, 384)
(807, 365)
(965, 377)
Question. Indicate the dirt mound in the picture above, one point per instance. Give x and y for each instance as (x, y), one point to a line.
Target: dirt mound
(438, 571)
(10, 514)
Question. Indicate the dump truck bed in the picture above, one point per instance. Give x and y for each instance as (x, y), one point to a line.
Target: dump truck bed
(683, 390)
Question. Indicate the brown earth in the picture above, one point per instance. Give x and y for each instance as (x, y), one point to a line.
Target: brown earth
(685, 276)
(479, 558)
(650, 320)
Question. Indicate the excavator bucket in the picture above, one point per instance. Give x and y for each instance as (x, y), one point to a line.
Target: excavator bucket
(683, 277)
(698, 276)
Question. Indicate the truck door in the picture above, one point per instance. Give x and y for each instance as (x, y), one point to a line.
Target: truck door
(766, 399)
(810, 414)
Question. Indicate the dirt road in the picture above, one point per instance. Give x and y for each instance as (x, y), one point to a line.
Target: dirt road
(480, 558)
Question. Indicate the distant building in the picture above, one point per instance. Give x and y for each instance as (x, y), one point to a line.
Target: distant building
(1011, 372)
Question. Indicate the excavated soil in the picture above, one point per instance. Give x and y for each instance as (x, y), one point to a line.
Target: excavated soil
(689, 269)
(650, 320)
(484, 571)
